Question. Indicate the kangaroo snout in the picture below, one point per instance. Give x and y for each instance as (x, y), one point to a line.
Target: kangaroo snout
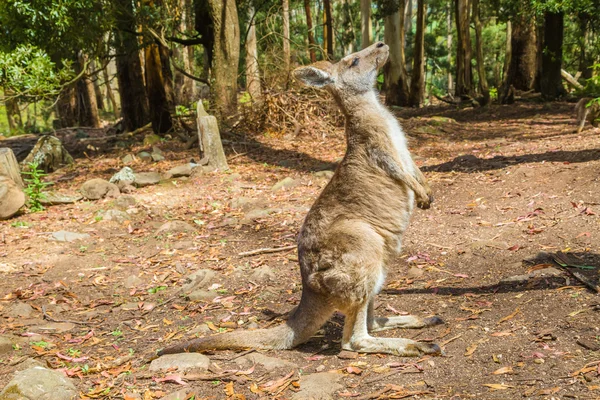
(380, 44)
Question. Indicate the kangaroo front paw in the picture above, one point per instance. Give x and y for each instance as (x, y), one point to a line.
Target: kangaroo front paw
(424, 204)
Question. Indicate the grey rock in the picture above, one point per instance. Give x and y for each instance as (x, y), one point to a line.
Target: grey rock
(151, 139)
(270, 363)
(263, 273)
(6, 345)
(182, 362)
(286, 183)
(49, 154)
(56, 327)
(157, 157)
(255, 214)
(53, 199)
(97, 188)
(199, 279)
(20, 310)
(202, 295)
(65, 236)
(246, 203)
(124, 202)
(414, 272)
(39, 383)
(124, 176)
(327, 174)
(320, 386)
(128, 159)
(115, 215)
(175, 226)
(146, 179)
(180, 170)
(145, 156)
(132, 281)
(12, 197)
(197, 171)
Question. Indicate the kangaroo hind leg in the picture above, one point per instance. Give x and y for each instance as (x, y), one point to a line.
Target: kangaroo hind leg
(377, 324)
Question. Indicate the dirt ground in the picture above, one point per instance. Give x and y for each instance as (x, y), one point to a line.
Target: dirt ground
(513, 186)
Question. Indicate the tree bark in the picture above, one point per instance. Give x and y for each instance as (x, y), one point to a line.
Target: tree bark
(97, 91)
(417, 82)
(13, 114)
(253, 85)
(395, 75)
(66, 107)
(522, 66)
(585, 59)
(464, 74)
(551, 80)
(365, 23)
(160, 98)
(408, 17)
(109, 92)
(226, 55)
(184, 85)
(449, 47)
(328, 22)
(286, 36)
(311, 36)
(130, 78)
(483, 84)
(87, 108)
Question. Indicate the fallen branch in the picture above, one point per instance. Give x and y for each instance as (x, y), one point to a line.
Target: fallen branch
(266, 250)
(49, 318)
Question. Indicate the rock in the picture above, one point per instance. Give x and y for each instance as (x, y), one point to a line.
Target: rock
(202, 295)
(6, 345)
(347, 355)
(327, 174)
(270, 363)
(12, 198)
(115, 215)
(132, 281)
(53, 199)
(65, 236)
(182, 362)
(546, 272)
(7, 268)
(175, 226)
(286, 183)
(246, 203)
(146, 179)
(157, 154)
(125, 176)
(39, 383)
(97, 188)
(151, 139)
(586, 344)
(320, 386)
(180, 170)
(198, 279)
(20, 310)
(182, 394)
(56, 327)
(259, 213)
(263, 273)
(128, 159)
(197, 171)
(49, 154)
(124, 202)
(414, 272)
(233, 177)
(145, 156)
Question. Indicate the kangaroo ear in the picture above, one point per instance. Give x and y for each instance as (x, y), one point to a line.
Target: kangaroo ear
(316, 75)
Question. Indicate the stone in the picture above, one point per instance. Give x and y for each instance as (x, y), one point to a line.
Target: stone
(124, 176)
(327, 174)
(319, 386)
(286, 183)
(128, 159)
(197, 171)
(202, 295)
(157, 157)
(263, 273)
(146, 179)
(20, 310)
(56, 327)
(132, 281)
(65, 236)
(6, 345)
(53, 199)
(145, 156)
(124, 202)
(182, 394)
(414, 272)
(151, 139)
(115, 215)
(198, 279)
(269, 363)
(12, 198)
(175, 226)
(246, 203)
(39, 383)
(258, 213)
(182, 362)
(180, 170)
(49, 154)
(7, 268)
(97, 188)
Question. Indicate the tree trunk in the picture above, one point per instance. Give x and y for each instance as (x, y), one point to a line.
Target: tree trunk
(66, 107)
(211, 147)
(160, 99)
(130, 78)
(311, 36)
(365, 23)
(10, 167)
(396, 78)
(184, 85)
(286, 36)
(87, 108)
(328, 22)
(408, 17)
(507, 54)
(464, 74)
(109, 92)
(449, 47)
(226, 55)
(522, 66)
(551, 81)
(97, 91)
(13, 113)
(483, 84)
(253, 85)
(585, 59)
(417, 81)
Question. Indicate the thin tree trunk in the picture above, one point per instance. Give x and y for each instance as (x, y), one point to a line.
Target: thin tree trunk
(86, 98)
(507, 54)
(585, 60)
(365, 23)
(408, 17)
(286, 36)
(551, 80)
(253, 85)
(483, 84)
(226, 55)
(109, 92)
(449, 47)
(522, 65)
(396, 77)
(311, 35)
(13, 113)
(417, 81)
(158, 91)
(66, 107)
(97, 91)
(328, 28)
(464, 74)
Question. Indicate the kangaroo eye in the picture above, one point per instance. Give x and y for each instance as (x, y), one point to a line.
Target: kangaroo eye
(354, 62)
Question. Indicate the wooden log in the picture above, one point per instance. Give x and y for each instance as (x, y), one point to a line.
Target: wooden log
(570, 80)
(211, 147)
(9, 166)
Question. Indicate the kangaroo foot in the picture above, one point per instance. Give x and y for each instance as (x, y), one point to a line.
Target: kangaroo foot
(403, 321)
(395, 346)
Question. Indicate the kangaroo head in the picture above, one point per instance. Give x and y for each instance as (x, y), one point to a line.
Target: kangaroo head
(353, 75)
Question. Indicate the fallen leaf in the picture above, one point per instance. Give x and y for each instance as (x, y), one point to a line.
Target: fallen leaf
(514, 248)
(354, 370)
(498, 386)
(229, 389)
(503, 370)
(509, 317)
(501, 334)
(171, 378)
(470, 350)
(546, 392)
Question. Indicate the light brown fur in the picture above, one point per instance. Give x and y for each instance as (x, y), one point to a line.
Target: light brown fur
(355, 227)
(591, 113)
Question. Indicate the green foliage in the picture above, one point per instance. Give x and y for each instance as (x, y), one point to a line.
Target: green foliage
(35, 187)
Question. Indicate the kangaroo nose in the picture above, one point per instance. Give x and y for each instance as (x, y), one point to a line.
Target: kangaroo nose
(380, 44)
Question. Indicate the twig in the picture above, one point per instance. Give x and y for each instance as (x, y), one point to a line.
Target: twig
(49, 318)
(452, 339)
(266, 250)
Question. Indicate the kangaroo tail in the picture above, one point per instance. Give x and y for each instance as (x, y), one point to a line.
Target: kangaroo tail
(312, 312)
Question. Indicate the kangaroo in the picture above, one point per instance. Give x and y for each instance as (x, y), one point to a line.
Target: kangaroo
(355, 226)
(591, 113)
